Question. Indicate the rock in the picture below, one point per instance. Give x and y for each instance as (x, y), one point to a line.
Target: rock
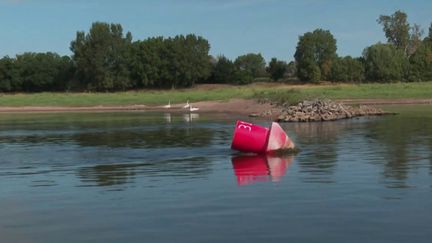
(282, 117)
(323, 110)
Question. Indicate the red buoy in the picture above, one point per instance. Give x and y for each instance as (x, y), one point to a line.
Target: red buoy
(251, 138)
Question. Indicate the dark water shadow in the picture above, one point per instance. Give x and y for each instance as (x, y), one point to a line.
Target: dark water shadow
(405, 143)
(157, 138)
(318, 143)
(106, 175)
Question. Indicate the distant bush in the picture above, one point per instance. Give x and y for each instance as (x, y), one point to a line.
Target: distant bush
(385, 63)
(277, 69)
(347, 69)
(34, 72)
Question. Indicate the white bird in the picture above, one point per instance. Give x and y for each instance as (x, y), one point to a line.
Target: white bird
(187, 105)
(193, 108)
(169, 104)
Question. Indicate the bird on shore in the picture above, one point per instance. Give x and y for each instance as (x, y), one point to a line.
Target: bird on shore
(193, 108)
(187, 105)
(169, 105)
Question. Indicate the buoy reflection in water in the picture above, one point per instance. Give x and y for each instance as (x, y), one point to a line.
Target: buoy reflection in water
(253, 168)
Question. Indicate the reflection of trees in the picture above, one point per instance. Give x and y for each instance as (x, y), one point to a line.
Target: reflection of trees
(102, 120)
(108, 175)
(319, 132)
(117, 174)
(395, 137)
(160, 138)
(35, 139)
(395, 145)
(321, 139)
(398, 135)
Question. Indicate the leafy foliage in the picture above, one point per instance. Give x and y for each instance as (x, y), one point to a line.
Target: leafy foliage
(146, 61)
(33, 72)
(242, 77)
(105, 59)
(308, 70)
(8, 75)
(223, 71)
(396, 29)
(291, 70)
(239, 72)
(315, 54)
(251, 63)
(277, 69)
(385, 62)
(421, 62)
(347, 69)
(173, 62)
(400, 33)
(102, 57)
(187, 61)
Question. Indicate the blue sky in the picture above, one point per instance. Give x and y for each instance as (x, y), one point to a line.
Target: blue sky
(233, 28)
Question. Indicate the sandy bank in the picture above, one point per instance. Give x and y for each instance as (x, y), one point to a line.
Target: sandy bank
(237, 106)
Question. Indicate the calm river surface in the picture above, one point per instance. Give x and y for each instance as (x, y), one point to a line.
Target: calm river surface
(155, 177)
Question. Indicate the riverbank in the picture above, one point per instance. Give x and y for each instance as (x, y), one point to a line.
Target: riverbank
(274, 92)
(235, 106)
(238, 106)
(255, 98)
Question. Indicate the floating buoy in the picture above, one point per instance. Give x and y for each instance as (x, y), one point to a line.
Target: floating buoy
(251, 138)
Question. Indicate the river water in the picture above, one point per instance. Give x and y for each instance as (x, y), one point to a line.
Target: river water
(161, 177)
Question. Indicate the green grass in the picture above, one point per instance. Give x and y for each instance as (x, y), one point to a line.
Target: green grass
(278, 93)
(421, 90)
(149, 97)
(411, 111)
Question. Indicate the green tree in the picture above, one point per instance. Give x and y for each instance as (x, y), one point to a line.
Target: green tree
(188, 60)
(400, 33)
(8, 75)
(291, 71)
(251, 63)
(102, 57)
(277, 69)
(314, 55)
(242, 77)
(396, 29)
(180, 61)
(430, 32)
(223, 71)
(42, 71)
(415, 39)
(347, 69)
(428, 38)
(421, 63)
(385, 62)
(147, 62)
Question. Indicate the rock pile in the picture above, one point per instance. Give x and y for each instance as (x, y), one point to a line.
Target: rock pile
(324, 110)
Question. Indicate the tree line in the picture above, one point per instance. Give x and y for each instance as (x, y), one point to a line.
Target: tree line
(106, 59)
(405, 56)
